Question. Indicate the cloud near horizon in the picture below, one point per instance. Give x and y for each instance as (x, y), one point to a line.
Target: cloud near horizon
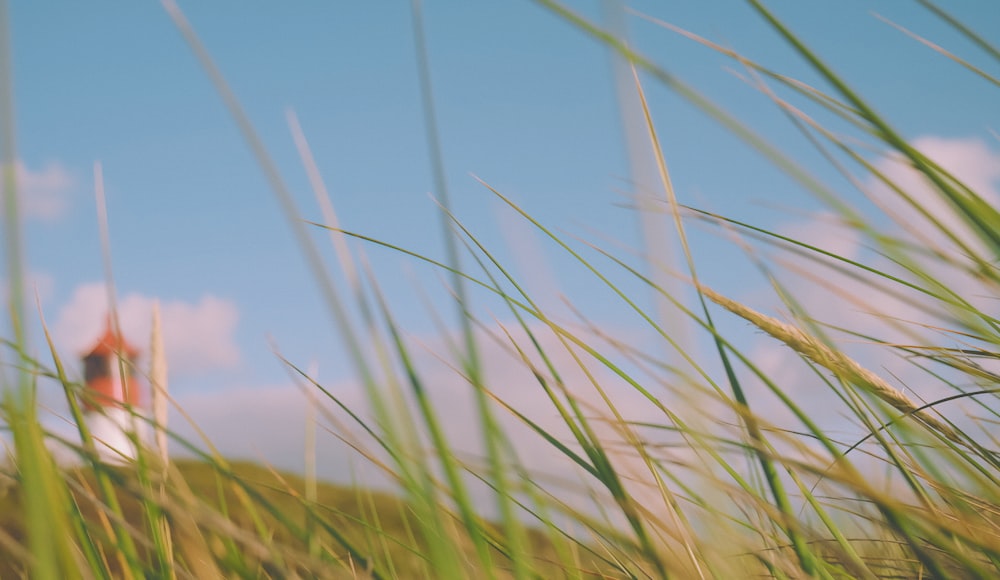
(268, 423)
(198, 336)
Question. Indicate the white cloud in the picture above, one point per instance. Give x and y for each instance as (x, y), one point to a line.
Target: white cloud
(857, 303)
(970, 160)
(975, 164)
(826, 232)
(43, 192)
(197, 336)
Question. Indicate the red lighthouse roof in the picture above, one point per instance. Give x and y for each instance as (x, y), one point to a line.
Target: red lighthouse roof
(111, 343)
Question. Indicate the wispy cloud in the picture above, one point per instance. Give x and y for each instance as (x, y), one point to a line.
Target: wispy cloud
(43, 192)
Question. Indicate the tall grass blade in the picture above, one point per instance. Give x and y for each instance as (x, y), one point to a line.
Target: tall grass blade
(158, 387)
(659, 240)
(937, 48)
(442, 448)
(979, 215)
(318, 268)
(470, 357)
(957, 24)
(46, 498)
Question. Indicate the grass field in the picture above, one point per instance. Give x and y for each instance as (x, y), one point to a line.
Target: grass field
(264, 530)
(706, 485)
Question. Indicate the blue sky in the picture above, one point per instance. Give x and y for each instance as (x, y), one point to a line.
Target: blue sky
(525, 102)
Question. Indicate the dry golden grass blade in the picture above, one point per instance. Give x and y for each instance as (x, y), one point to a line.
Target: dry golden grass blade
(158, 384)
(833, 360)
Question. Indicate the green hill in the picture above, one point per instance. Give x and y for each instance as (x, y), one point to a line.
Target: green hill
(249, 522)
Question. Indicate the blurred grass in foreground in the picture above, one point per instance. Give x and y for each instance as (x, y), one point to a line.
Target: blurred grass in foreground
(708, 488)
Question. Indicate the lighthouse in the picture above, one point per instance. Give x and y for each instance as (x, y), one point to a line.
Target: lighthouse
(113, 394)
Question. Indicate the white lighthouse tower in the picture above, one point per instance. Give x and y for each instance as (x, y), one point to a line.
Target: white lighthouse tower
(113, 395)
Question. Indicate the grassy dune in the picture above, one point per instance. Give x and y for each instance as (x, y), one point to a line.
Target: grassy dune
(249, 521)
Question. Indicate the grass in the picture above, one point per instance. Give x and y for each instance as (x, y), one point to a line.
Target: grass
(377, 521)
(708, 483)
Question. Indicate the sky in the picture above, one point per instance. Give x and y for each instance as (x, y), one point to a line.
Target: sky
(525, 102)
